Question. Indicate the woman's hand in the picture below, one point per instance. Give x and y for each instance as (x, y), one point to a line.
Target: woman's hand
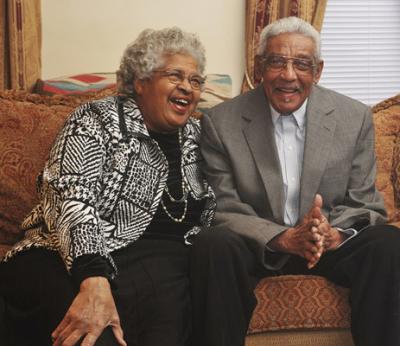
(92, 310)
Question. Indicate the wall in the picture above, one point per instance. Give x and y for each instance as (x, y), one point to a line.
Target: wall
(90, 35)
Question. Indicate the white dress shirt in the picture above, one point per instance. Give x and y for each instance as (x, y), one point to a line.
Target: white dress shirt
(290, 135)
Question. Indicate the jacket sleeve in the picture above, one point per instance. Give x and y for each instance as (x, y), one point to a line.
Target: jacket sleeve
(232, 212)
(363, 205)
(72, 181)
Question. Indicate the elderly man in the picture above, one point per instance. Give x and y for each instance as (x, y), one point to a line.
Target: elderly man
(293, 168)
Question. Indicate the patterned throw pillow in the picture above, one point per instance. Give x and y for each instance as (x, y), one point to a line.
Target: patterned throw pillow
(76, 84)
(218, 87)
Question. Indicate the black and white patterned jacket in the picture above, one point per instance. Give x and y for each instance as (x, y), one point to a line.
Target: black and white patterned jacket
(104, 180)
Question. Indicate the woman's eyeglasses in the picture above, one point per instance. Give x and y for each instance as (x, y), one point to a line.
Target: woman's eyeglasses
(178, 77)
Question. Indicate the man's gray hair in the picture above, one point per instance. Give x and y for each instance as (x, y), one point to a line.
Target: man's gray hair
(290, 25)
(145, 54)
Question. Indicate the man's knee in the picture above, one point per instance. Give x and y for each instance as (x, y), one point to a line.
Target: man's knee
(384, 239)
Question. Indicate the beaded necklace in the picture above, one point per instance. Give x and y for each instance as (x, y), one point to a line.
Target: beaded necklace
(185, 192)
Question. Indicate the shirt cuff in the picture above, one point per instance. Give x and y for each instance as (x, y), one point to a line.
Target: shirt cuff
(274, 260)
(91, 265)
(349, 232)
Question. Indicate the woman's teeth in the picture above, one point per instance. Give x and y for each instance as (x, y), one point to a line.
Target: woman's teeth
(181, 102)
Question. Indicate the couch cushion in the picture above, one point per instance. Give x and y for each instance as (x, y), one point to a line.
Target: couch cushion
(298, 302)
(387, 131)
(395, 177)
(28, 126)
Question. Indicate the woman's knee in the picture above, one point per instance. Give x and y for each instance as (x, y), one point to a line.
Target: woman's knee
(217, 238)
(220, 245)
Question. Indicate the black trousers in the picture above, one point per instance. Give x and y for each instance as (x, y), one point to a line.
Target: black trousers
(224, 273)
(152, 295)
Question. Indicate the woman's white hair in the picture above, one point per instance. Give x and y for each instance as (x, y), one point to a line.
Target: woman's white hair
(291, 25)
(145, 54)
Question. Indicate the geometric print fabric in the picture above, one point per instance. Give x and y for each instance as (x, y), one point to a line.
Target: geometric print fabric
(81, 157)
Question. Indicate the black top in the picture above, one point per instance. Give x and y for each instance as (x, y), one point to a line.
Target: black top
(161, 226)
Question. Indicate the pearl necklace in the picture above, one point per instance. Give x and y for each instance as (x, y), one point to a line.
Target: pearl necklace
(184, 192)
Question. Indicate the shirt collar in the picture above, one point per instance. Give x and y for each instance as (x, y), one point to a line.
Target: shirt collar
(299, 115)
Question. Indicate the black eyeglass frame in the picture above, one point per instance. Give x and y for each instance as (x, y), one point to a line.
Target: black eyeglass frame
(300, 65)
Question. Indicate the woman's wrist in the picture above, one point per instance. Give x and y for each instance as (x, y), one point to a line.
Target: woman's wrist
(90, 265)
(95, 282)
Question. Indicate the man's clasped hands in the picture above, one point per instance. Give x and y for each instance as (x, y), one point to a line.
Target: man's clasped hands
(311, 237)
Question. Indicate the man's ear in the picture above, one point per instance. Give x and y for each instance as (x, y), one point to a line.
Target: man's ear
(259, 66)
(318, 71)
(138, 86)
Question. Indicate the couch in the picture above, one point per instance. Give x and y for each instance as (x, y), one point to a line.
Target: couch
(291, 310)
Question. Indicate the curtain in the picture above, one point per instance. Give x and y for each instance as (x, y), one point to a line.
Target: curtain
(20, 44)
(260, 13)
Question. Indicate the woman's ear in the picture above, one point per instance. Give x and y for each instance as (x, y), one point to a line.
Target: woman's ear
(138, 86)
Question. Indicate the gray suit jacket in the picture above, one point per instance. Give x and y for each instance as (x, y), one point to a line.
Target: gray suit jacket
(242, 165)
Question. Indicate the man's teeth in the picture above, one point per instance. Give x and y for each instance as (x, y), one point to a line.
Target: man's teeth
(287, 90)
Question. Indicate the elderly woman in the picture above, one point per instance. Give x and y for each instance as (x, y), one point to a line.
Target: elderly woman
(105, 256)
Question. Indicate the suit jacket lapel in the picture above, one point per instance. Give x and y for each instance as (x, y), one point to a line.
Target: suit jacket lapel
(259, 133)
(320, 128)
